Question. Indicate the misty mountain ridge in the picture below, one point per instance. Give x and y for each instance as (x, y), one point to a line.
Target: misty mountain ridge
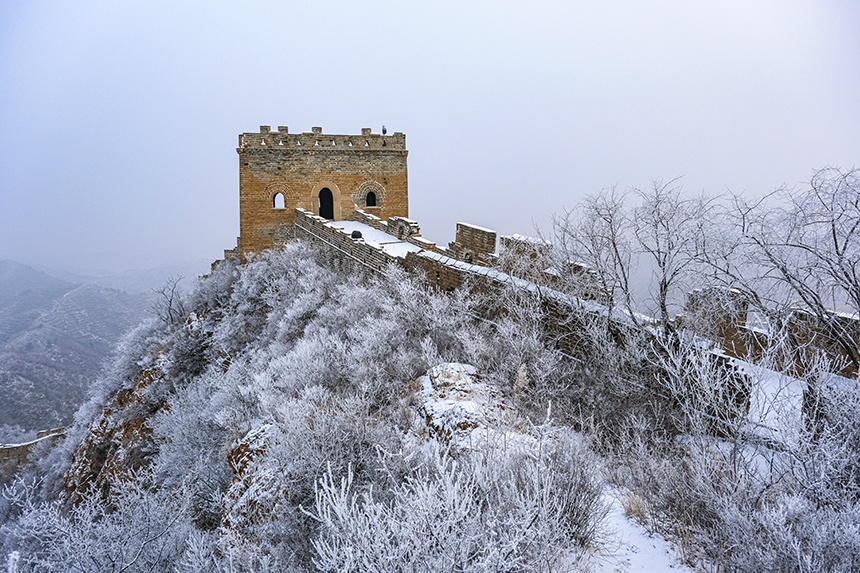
(54, 337)
(133, 281)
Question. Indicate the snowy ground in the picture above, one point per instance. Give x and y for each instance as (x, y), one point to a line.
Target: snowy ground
(630, 548)
(388, 243)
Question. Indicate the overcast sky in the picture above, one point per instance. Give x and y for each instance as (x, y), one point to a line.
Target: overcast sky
(120, 119)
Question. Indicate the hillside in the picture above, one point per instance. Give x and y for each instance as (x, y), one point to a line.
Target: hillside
(285, 417)
(54, 337)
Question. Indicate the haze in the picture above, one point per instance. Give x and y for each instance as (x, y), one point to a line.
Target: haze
(120, 119)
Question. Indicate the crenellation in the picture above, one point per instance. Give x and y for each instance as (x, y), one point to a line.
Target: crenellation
(368, 219)
(402, 228)
(282, 138)
(473, 244)
(419, 241)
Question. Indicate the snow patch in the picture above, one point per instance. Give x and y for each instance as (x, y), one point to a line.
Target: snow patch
(460, 410)
(630, 548)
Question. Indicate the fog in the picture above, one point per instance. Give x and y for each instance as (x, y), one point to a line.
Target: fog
(120, 119)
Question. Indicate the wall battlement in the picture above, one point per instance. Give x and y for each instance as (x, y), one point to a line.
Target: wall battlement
(316, 140)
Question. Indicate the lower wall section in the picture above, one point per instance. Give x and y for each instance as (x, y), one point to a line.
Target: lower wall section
(339, 249)
(17, 455)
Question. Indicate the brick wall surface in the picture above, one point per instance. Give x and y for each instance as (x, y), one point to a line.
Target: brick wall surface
(298, 166)
(339, 249)
(473, 244)
(480, 240)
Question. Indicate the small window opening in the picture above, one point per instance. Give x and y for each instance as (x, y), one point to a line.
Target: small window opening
(367, 144)
(317, 144)
(371, 199)
(278, 201)
(262, 142)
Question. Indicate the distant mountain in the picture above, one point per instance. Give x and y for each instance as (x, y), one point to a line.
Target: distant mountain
(139, 281)
(54, 336)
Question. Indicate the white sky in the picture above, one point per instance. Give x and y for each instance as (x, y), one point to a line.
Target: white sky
(119, 120)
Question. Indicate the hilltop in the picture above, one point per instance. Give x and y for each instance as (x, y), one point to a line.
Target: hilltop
(288, 417)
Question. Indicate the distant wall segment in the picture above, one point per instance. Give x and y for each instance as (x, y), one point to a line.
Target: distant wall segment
(14, 456)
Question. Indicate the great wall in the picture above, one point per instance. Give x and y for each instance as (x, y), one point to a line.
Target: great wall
(348, 195)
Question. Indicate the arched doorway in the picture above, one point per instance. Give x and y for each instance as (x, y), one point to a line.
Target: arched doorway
(326, 204)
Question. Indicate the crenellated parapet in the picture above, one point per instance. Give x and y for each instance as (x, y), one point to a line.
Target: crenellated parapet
(316, 140)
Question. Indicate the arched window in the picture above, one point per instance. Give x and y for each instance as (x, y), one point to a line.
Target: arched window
(326, 204)
(369, 194)
(278, 201)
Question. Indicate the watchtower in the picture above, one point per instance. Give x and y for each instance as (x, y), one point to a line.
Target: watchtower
(329, 175)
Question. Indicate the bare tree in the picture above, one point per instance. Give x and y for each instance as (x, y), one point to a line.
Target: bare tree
(669, 232)
(169, 305)
(663, 233)
(813, 247)
(596, 235)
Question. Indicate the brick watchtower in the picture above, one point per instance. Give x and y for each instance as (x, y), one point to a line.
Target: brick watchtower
(330, 175)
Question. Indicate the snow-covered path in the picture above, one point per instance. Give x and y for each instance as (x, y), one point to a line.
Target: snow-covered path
(630, 549)
(462, 411)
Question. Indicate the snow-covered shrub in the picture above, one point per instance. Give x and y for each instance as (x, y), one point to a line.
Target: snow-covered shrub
(786, 500)
(309, 436)
(492, 510)
(135, 529)
(279, 373)
(273, 298)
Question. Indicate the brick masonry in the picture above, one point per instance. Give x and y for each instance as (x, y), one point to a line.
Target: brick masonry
(441, 267)
(473, 244)
(298, 166)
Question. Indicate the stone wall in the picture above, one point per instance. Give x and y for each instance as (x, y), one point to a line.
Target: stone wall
(340, 249)
(722, 314)
(445, 272)
(473, 244)
(298, 166)
(18, 454)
